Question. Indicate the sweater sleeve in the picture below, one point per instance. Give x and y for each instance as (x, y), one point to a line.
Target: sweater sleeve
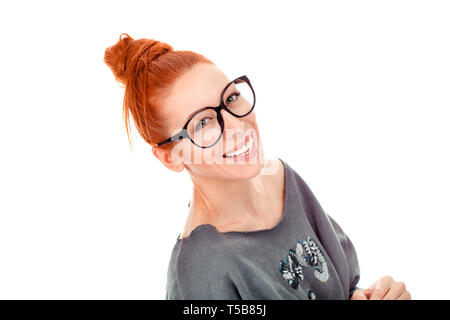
(336, 243)
(350, 253)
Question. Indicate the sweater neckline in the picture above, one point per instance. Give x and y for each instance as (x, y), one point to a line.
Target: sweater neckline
(252, 232)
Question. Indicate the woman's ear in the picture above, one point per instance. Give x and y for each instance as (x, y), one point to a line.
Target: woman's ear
(174, 163)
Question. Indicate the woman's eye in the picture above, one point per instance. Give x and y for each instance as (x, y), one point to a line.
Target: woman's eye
(201, 124)
(233, 97)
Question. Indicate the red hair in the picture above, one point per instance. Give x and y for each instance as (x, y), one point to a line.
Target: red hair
(147, 68)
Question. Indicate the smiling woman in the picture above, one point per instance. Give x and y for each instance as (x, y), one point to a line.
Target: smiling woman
(254, 228)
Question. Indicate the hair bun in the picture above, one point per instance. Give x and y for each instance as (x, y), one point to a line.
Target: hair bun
(127, 52)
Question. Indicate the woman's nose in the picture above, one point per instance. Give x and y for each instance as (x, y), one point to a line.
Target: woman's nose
(233, 129)
(232, 122)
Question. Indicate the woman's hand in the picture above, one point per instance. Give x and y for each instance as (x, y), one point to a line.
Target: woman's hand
(384, 289)
(361, 294)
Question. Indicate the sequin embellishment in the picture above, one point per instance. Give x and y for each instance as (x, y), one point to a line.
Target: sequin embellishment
(311, 295)
(292, 268)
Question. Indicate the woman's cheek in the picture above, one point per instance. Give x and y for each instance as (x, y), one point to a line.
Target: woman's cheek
(183, 152)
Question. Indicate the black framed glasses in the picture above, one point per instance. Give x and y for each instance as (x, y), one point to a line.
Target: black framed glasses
(205, 127)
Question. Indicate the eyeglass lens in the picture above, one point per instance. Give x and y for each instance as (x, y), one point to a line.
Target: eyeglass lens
(204, 129)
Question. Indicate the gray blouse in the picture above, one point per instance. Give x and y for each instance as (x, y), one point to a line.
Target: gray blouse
(305, 256)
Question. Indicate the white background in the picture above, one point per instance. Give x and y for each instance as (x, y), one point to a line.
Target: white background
(354, 95)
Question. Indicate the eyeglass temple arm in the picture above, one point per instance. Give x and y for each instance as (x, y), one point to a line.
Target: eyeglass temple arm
(180, 135)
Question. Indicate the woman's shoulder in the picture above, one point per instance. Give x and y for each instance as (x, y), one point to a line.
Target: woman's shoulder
(203, 247)
(198, 263)
(296, 180)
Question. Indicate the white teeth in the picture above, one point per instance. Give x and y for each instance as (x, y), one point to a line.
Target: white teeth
(242, 149)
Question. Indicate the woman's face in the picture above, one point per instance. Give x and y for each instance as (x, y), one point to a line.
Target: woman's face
(201, 87)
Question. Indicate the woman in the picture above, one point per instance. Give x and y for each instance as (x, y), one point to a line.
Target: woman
(254, 229)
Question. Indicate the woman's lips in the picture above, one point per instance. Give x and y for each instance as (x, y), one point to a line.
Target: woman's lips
(240, 145)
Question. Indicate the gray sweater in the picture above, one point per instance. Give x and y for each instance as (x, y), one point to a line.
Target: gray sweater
(305, 256)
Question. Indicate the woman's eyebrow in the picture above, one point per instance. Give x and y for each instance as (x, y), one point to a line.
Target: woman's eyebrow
(191, 114)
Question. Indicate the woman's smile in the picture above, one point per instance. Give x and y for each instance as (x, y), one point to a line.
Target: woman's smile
(244, 152)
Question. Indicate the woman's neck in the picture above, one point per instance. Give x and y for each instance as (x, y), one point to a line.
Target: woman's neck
(230, 204)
